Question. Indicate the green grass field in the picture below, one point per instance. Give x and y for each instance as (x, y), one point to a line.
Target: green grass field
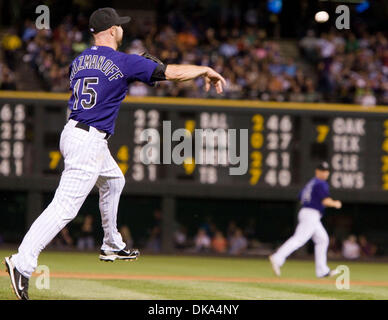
(83, 276)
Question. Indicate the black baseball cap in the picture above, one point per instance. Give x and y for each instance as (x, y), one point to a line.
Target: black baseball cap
(104, 18)
(323, 166)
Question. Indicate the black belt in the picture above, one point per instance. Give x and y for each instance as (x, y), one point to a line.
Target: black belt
(85, 127)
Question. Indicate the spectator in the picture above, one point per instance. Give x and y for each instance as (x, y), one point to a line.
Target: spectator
(366, 98)
(219, 243)
(367, 248)
(154, 241)
(29, 30)
(86, 240)
(7, 78)
(180, 238)
(250, 229)
(63, 239)
(209, 226)
(308, 45)
(126, 235)
(238, 243)
(202, 241)
(334, 250)
(138, 89)
(231, 230)
(350, 248)
(10, 43)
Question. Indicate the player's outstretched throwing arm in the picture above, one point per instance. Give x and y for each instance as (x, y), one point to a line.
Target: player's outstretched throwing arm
(329, 202)
(184, 72)
(180, 72)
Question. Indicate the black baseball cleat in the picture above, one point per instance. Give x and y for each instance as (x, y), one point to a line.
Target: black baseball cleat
(128, 255)
(18, 281)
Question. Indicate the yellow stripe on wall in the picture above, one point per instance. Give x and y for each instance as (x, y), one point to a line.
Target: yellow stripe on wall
(207, 102)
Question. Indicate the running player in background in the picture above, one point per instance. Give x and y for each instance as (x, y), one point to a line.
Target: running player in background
(314, 198)
(99, 79)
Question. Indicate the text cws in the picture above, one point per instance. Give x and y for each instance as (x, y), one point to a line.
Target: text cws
(96, 62)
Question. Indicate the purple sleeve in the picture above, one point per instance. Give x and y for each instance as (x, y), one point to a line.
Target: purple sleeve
(322, 190)
(138, 68)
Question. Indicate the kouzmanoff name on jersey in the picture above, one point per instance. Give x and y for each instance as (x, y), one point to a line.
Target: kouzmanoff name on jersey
(102, 63)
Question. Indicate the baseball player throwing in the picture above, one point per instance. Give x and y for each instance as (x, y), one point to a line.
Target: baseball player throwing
(99, 79)
(314, 198)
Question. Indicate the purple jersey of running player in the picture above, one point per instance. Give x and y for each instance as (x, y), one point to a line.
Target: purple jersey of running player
(99, 79)
(313, 193)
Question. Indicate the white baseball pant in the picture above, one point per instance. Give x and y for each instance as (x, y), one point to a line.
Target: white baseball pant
(309, 226)
(88, 162)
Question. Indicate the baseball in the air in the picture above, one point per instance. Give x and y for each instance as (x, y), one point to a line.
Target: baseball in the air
(321, 16)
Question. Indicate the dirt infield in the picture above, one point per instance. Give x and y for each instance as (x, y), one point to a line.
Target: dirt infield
(103, 276)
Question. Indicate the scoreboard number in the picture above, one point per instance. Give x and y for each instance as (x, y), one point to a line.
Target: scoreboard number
(279, 139)
(323, 131)
(5, 168)
(142, 120)
(12, 138)
(6, 113)
(256, 156)
(270, 142)
(6, 131)
(208, 175)
(5, 149)
(55, 157)
(19, 131)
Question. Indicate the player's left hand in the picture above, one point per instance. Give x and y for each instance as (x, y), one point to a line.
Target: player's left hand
(214, 78)
(338, 204)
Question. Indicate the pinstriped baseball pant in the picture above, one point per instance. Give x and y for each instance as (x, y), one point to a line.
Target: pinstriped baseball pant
(88, 162)
(309, 227)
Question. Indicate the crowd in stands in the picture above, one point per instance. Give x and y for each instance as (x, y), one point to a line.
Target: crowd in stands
(50, 52)
(350, 68)
(341, 66)
(352, 248)
(9, 43)
(82, 235)
(7, 77)
(235, 240)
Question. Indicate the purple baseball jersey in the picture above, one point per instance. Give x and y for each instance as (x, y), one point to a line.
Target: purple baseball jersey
(99, 79)
(313, 193)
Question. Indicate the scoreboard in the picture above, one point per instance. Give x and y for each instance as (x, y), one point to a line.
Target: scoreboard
(276, 146)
